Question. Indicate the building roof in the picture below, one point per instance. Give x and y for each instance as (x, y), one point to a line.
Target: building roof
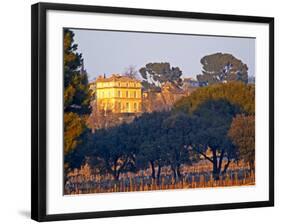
(116, 77)
(189, 80)
(171, 87)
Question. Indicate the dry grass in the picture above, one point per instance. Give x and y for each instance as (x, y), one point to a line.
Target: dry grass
(198, 176)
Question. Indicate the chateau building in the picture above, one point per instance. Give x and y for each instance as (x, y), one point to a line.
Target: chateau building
(118, 94)
(162, 99)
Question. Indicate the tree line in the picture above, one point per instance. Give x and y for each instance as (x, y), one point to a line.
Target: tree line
(175, 138)
(216, 68)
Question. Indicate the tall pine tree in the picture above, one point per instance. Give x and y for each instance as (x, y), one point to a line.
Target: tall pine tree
(76, 94)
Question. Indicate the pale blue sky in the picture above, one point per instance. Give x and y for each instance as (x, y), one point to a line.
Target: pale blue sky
(113, 51)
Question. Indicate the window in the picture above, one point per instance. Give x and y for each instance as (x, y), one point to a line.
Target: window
(102, 94)
(108, 94)
(119, 94)
(127, 107)
(135, 107)
(135, 94)
(119, 106)
(127, 94)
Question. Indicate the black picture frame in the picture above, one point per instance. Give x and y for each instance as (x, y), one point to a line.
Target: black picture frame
(39, 108)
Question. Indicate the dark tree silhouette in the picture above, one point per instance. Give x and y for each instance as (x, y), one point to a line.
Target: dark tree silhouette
(222, 68)
(150, 135)
(116, 149)
(212, 121)
(176, 141)
(155, 74)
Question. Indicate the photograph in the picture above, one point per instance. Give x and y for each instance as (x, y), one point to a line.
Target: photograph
(156, 111)
(140, 111)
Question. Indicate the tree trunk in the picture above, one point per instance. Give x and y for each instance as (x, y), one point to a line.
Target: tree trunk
(116, 176)
(115, 171)
(178, 172)
(220, 161)
(175, 174)
(226, 167)
(152, 169)
(158, 174)
(215, 166)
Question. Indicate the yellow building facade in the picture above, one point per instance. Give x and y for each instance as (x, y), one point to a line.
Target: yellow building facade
(118, 94)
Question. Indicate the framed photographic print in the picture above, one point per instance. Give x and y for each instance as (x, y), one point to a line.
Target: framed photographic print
(139, 111)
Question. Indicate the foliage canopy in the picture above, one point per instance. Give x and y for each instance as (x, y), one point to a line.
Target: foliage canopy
(242, 133)
(220, 67)
(236, 93)
(155, 74)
